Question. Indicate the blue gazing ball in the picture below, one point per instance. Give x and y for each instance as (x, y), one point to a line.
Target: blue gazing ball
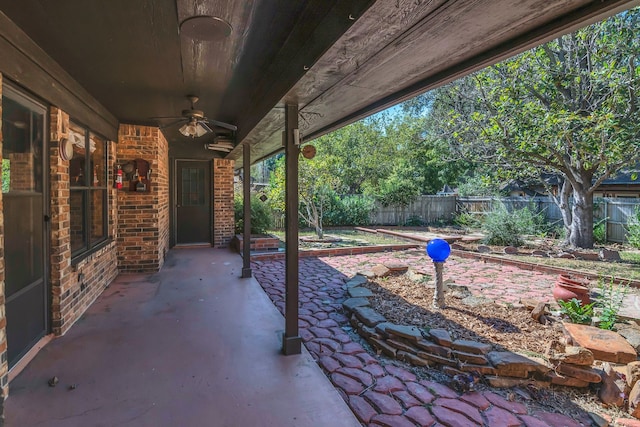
(438, 250)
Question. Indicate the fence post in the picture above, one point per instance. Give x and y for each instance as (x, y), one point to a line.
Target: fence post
(606, 219)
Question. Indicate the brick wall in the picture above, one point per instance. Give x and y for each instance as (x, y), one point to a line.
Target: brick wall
(4, 365)
(74, 288)
(143, 218)
(223, 219)
(21, 172)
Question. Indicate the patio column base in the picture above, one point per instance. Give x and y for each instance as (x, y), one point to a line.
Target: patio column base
(246, 273)
(291, 345)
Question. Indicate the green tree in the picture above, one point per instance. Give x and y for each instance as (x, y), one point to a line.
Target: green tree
(566, 109)
(315, 191)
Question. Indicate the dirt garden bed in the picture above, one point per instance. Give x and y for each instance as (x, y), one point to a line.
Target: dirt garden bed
(407, 300)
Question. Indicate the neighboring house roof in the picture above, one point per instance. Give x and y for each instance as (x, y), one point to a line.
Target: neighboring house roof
(626, 177)
(446, 190)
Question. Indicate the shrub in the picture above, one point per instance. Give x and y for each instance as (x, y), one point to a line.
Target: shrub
(261, 216)
(609, 302)
(507, 228)
(467, 220)
(348, 210)
(414, 221)
(577, 312)
(633, 229)
(600, 231)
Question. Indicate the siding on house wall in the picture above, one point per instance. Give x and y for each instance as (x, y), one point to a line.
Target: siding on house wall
(143, 218)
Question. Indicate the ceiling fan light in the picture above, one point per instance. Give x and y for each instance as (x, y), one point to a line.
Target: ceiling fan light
(201, 130)
(189, 129)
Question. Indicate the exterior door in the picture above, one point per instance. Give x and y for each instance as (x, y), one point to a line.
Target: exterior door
(23, 193)
(193, 204)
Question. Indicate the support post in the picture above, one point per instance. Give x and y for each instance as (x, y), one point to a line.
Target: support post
(246, 194)
(291, 341)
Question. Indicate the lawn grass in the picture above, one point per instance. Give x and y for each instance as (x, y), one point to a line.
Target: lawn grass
(629, 268)
(349, 237)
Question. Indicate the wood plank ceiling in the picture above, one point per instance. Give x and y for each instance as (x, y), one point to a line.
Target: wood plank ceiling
(340, 60)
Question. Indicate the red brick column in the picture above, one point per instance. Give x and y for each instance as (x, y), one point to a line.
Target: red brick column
(223, 219)
(4, 365)
(143, 218)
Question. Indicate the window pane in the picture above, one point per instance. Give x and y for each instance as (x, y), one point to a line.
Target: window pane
(77, 164)
(21, 149)
(97, 147)
(98, 201)
(78, 234)
(193, 187)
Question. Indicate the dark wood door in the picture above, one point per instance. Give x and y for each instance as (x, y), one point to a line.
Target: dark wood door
(193, 205)
(23, 192)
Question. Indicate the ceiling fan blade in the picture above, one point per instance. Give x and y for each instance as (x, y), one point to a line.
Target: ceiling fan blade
(204, 125)
(216, 147)
(221, 124)
(166, 117)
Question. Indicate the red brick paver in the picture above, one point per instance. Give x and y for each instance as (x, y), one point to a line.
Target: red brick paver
(382, 394)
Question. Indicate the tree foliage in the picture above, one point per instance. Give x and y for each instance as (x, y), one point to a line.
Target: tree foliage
(315, 191)
(566, 109)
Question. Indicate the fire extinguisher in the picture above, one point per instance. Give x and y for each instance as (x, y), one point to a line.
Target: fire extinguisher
(118, 183)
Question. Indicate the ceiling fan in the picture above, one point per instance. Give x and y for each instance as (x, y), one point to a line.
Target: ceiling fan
(195, 124)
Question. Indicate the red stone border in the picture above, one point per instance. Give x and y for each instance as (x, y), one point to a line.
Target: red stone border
(465, 360)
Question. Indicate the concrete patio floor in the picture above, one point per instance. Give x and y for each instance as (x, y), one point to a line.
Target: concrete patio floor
(192, 345)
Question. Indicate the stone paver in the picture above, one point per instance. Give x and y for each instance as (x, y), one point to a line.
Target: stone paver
(381, 393)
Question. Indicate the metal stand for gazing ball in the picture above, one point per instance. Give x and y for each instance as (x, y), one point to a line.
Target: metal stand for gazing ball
(438, 250)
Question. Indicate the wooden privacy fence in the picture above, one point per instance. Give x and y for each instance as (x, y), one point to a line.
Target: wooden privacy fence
(615, 212)
(427, 209)
(431, 209)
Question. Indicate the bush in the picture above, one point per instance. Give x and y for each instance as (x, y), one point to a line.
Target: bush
(348, 210)
(507, 228)
(600, 231)
(633, 229)
(414, 221)
(609, 302)
(467, 220)
(261, 216)
(577, 312)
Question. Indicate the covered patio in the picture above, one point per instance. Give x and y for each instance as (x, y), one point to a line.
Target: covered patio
(123, 124)
(190, 345)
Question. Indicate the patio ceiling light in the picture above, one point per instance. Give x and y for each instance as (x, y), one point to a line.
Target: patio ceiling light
(205, 28)
(193, 129)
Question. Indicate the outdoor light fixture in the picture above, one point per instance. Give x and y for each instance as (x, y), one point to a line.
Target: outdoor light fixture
(205, 28)
(193, 129)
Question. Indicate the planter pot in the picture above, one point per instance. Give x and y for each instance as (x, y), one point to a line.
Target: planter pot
(567, 291)
(565, 278)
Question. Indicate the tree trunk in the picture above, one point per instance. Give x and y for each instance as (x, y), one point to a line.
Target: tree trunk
(565, 209)
(582, 219)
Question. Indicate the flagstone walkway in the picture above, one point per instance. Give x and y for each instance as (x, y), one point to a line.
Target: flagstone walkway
(379, 392)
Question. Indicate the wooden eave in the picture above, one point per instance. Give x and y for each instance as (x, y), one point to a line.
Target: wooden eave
(394, 53)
